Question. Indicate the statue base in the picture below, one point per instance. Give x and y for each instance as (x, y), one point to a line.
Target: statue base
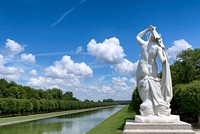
(157, 119)
(180, 127)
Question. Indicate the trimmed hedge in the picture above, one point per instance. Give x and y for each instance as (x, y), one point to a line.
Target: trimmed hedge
(14, 107)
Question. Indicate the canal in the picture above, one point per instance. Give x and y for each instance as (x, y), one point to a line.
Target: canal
(68, 124)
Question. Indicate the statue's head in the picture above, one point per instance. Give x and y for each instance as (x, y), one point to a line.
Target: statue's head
(159, 42)
(151, 37)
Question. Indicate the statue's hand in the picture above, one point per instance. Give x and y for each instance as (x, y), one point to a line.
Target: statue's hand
(151, 27)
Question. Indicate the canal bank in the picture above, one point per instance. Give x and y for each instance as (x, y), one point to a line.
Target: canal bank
(21, 119)
(114, 124)
(76, 123)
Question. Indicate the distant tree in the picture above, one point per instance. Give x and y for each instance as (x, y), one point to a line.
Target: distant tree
(69, 96)
(108, 100)
(42, 94)
(16, 99)
(3, 83)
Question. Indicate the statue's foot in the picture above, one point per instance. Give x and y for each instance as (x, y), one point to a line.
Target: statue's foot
(162, 111)
(146, 108)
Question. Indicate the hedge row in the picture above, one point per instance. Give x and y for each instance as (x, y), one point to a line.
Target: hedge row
(13, 107)
(186, 101)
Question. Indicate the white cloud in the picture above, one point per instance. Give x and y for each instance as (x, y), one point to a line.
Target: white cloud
(126, 67)
(66, 68)
(133, 81)
(120, 88)
(109, 51)
(177, 48)
(10, 67)
(2, 60)
(64, 73)
(68, 12)
(107, 90)
(79, 50)
(13, 47)
(119, 82)
(47, 83)
(122, 84)
(94, 88)
(28, 58)
(33, 72)
(10, 73)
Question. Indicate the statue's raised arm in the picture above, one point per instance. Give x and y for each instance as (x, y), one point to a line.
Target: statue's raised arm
(141, 34)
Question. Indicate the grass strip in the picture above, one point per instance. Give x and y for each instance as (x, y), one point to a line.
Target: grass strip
(20, 119)
(114, 124)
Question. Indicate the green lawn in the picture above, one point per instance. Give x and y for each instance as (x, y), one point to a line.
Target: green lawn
(114, 124)
(19, 119)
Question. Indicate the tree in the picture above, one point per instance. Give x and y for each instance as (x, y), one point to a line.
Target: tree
(135, 102)
(54, 93)
(108, 100)
(186, 67)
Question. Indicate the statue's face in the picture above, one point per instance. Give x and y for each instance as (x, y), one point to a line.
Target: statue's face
(151, 37)
(160, 43)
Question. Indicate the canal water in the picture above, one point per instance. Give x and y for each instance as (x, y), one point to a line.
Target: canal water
(68, 124)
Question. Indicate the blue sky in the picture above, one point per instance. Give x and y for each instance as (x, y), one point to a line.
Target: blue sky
(88, 46)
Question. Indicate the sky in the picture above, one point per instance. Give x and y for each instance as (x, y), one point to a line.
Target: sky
(88, 47)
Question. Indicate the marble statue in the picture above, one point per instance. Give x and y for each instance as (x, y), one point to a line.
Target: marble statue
(155, 92)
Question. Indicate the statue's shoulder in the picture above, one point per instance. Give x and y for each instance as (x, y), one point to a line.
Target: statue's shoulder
(156, 46)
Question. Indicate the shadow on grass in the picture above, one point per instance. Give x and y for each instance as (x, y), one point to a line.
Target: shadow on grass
(196, 126)
(121, 128)
(131, 115)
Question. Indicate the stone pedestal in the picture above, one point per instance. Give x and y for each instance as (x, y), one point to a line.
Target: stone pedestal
(157, 119)
(180, 127)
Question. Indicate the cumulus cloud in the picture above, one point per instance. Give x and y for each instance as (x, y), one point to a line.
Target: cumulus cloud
(178, 47)
(117, 81)
(2, 60)
(126, 67)
(107, 90)
(109, 51)
(94, 88)
(119, 88)
(47, 83)
(122, 84)
(64, 73)
(66, 68)
(28, 58)
(133, 81)
(79, 50)
(33, 72)
(10, 73)
(13, 47)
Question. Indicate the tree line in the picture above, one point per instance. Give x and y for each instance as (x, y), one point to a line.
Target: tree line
(185, 73)
(16, 100)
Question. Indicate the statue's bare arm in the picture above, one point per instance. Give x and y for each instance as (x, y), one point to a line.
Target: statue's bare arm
(140, 35)
(161, 56)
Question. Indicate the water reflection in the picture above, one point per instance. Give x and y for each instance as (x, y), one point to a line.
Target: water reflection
(67, 124)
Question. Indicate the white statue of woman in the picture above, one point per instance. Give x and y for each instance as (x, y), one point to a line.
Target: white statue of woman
(155, 92)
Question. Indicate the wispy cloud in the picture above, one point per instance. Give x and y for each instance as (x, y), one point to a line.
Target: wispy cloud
(67, 13)
(53, 53)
